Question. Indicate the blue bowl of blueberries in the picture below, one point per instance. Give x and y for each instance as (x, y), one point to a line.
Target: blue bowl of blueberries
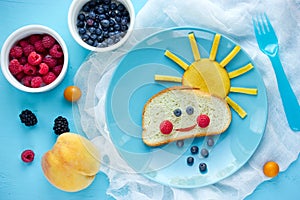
(101, 25)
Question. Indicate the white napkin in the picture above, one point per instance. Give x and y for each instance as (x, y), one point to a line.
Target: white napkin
(229, 17)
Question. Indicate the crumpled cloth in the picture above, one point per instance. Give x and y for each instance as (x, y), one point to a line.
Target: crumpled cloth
(229, 17)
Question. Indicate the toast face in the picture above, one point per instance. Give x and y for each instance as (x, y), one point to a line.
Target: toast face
(174, 114)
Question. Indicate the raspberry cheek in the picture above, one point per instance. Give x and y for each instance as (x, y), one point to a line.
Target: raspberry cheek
(203, 121)
(166, 127)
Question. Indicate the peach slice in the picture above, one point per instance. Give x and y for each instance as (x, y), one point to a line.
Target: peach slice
(72, 164)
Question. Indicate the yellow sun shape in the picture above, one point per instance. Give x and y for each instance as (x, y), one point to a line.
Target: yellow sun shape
(209, 75)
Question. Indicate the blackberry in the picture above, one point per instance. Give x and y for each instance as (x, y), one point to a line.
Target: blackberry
(61, 125)
(28, 118)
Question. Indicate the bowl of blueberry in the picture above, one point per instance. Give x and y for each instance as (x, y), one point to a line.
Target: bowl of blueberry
(34, 58)
(101, 25)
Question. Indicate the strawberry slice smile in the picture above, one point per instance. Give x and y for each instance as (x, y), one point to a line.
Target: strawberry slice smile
(186, 129)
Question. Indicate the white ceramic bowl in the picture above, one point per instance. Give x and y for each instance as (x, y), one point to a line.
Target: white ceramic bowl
(22, 33)
(74, 10)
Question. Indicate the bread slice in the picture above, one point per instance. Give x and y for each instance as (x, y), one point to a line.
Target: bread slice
(162, 105)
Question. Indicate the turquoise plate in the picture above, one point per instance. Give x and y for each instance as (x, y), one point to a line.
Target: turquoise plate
(133, 84)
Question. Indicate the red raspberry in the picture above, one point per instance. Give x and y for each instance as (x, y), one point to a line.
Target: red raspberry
(49, 78)
(56, 51)
(22, 60)
(44, 69)
(38, 46)
(16, 52)
(27, 156)
(34, 58)
(37, 82)
(48, 41)
(26, 80)
(28, 49)
(166, 127)
(23, 43)
(51, 62)
(15, 67)
(19, 76)
(57, 69)
(33, 38)
(29, 69)
(60, 61)
(203, 120)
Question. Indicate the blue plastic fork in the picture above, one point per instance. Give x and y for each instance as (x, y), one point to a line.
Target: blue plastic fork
(268, 44)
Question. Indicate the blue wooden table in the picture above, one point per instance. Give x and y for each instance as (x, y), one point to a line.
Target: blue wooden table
(21, 181)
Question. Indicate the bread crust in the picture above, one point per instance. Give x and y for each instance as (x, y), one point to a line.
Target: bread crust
(199, 134)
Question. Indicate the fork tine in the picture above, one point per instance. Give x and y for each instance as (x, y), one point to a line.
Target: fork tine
(270, 27)
(255, 25)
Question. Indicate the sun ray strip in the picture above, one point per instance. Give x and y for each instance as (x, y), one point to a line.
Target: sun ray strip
(167, 78)
(251, 91)
(176, 59)
(194, 46)
(214, 47)
(240, 71)
(238, 109)
(230, 56)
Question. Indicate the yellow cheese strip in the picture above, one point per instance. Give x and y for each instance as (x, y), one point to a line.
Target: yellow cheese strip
(167, 78)
(194, 46)
(251, 91)
(177, 60)
(240, 71)
(230, 56)
(240, 111)
(214, 47)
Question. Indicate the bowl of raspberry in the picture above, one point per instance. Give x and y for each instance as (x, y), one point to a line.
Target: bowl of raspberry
(34, 58)
(101, 25)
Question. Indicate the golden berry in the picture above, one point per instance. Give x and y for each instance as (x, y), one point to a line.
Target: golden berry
(72, 93)
(271, 169)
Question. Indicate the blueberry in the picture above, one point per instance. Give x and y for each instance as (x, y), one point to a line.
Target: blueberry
(85, 37)
(124, 27)
(82, 31)
(104, 23)
(177, 112)
(86, 8)
(113, 6)
(121, 7)
(105, 34)
(100, 38)
(202, 167)
(117, 27)
(190, 161)
(204, 152)
(96, 24)
(81, 17)
(194, 149)
(189, 110)
(102, 17)
(106, 8)
(112, 22)
(98, 31)
(80, 24)
(93, 37)
(92, 29)
(92, 4)
(90, 42)
(92, 15)
(180, 143)
(100, 10)
(106, 2)
(118, 19)
(210, 142)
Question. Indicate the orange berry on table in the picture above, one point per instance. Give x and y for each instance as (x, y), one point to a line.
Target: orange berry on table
(271, 169)
(72, 93)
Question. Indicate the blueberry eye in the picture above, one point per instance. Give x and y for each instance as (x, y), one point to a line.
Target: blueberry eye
(177, 112)
(189, 110)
